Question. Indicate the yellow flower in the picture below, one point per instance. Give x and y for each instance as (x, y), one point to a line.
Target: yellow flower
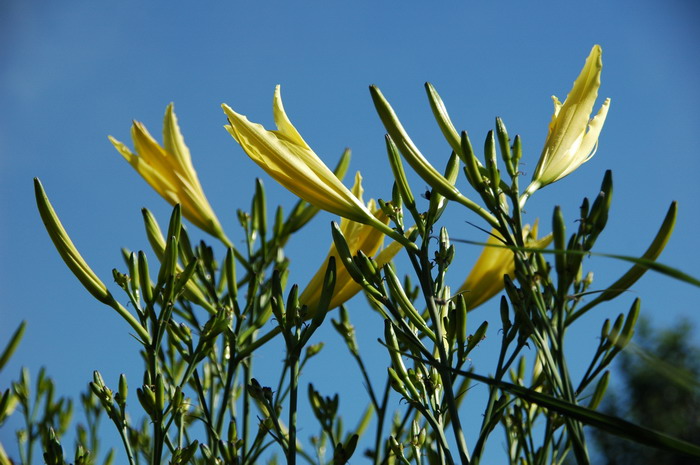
(485, 280)
(573, 136)
(359, 237)
(168, 169)
(285, 156)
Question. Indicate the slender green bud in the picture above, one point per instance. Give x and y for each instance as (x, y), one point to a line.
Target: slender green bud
(444, 239)
(121, 279)
(517, 152)
(319, 313)
(392, 344)
(477, 337)
(177, 401)
(630, 322)
(492, 162)
(599, 392)
(314, 349)
(53, 454)
(147, 399)
(461, 320)
(183, 279)
(12, 345)
(404, 303)
(278, 227)
(414, 379)
(293, 304)
(415, 433)
(230, 270)
(145, 277)
(505, 319)
(346, 330)
(153, 233)
(452, 168)
(169, 261)
(397, 383)
(277, 299)
(133, 264)
(512, 291)
(387, 208)
(123, 390)
(471, 164)
(67, 250)
(399, 174)
(504, 145)
(601, 205)
(344, 253)
(260, 208)
(396, 200)
(344, 452)
(615, 332)
(559, 232)
(232, 434)
(367, 267)
(450, 322)
(521, 370)
(410, 152)
(396, 447)
(8, 403)
(442, 117)
(160, 393)
(185, 246)
(585, 208)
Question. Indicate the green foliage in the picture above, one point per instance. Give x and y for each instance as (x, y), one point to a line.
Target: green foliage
(201, 315)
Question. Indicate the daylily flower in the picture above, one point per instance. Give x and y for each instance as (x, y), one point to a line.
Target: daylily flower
(573, 136)
(168, 169)
(485, 280)
(286, 156)
(359, 237)
(290, 161)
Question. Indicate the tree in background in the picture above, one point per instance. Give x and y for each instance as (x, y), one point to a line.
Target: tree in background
(660, 391)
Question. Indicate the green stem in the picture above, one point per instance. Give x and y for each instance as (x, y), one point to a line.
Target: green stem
(381, 413)
(423, 272)
(501, 368)
(439, 433)
(247, 376)
(250, 348)
(293, 397)
(478, 209)
(231, 369)
(124, 313)
(365, 376)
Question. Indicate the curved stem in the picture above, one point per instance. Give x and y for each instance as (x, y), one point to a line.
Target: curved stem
(478, 209)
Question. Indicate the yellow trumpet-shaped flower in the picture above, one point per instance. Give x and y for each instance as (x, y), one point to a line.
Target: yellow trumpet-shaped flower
(485, 280)
(285, 156)
(360, 237)
(573, 136)
(169, 170)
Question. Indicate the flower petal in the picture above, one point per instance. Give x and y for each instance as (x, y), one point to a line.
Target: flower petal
(288, 159)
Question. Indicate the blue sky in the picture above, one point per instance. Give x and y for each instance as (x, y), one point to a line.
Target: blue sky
(73, 73)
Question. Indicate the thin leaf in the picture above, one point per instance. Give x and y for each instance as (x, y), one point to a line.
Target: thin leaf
(608, 423)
